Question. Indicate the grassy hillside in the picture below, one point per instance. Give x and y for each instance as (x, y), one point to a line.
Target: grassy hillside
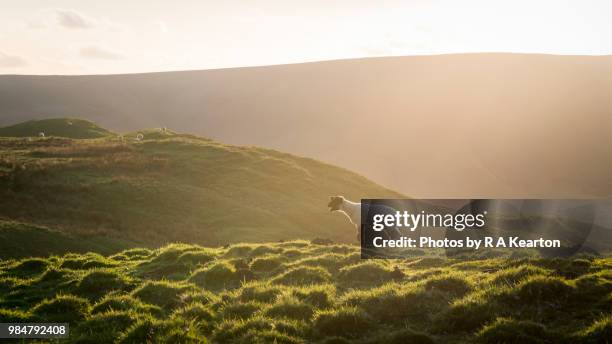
(169, 187)
(64, 127)
(21, 240)
(298, 292)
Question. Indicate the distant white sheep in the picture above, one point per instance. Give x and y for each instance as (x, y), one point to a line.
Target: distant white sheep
(41, 134)
(139, 137)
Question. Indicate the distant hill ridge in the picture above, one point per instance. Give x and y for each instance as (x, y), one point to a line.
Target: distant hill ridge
(63, 127)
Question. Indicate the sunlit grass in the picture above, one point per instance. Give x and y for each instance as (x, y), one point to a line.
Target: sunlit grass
(316, 295)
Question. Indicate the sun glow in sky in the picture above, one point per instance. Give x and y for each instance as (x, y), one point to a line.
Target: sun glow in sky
(113, 36)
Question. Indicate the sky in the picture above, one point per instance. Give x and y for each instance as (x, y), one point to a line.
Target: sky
(118, 36)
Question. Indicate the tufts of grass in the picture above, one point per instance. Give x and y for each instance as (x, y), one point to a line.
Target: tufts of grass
(599, 331)
(238, 251)
(568, 268)
(86, 262)
(303, 276)
(165, 294)
(467, 315)
(200, 296)
(403, 336)
(62, 308)
(174, 261)
(343, 321)
(15, 316)
(514, 275)
(335, 340)
(538, 289)
(296, 244)
(233, 331)
(54, 275)
(98, 283)
(220, 276)
(195, 258)
(452, 285)
(259, 291)
(593, 287)
(394, 303)
(267, 263)
(293, 253)
(170, 253)
(289, 306)
(134, 254)
(29, 267)
(263, 250)
(258, 330)
(428, 262)
(319, 295)
(8, 283)
(423, 274)
(269, 337)
(103, 327)
(199, 314)
(240, 310)
(146, 330)
(150, 330)
(332, 262)
(124, 303)
(183, 332)
(515, 331)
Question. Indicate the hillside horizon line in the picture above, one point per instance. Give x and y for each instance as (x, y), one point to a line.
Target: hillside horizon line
(384, 57)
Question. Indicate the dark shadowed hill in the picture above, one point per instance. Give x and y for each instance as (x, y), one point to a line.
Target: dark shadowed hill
(168, 187)
(63, 127)
(473, 125)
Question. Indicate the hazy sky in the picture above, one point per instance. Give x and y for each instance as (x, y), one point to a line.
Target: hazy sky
(113, 36)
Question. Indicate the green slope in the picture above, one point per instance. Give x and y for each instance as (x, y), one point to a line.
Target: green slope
(62, 127)
(173, 187)
(20, 240)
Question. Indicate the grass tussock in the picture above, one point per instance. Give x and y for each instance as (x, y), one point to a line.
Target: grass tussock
(217, 277)
(367, 273)
(114, 302)
(105, 327)
(453, 285)
(515, 331)
(512, 276)
(98, 283)
(600, 331)
(303, 276)
(162, 293)
(343, 322)
(289, 306)
(267, 263)
(543, 289)
(63, 308)
(260, 292)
